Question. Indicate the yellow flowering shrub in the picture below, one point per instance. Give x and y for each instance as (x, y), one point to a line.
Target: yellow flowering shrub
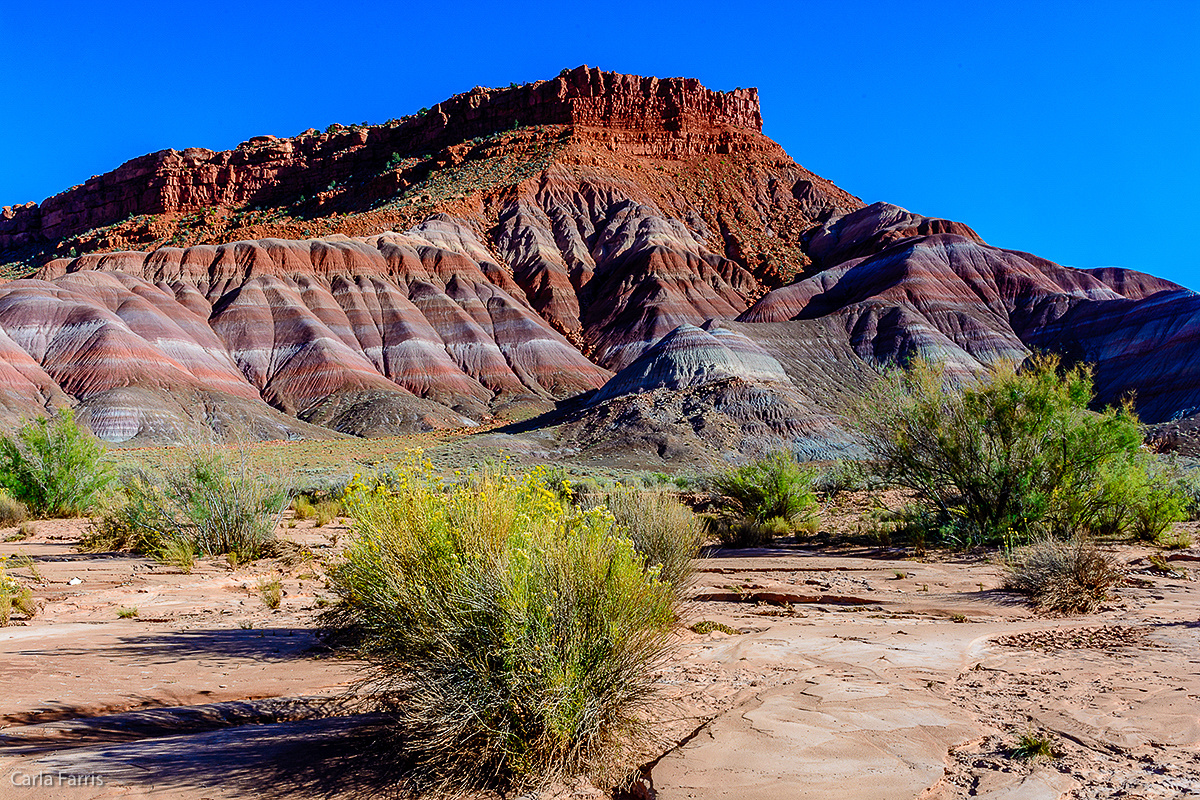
(511, 635)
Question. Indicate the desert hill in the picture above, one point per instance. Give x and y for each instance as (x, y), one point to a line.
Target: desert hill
(511, 249)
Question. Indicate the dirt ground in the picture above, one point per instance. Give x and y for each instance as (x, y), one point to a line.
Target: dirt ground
(855, 674)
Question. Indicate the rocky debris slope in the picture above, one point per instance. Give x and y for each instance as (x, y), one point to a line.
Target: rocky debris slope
(689, 356)
(702, 395)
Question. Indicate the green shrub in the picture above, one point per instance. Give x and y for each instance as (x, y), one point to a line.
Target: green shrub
(1066, 577)
(213, 503)
(664, 530)
(842, 476)
(512, 637)
(1188, 486)
(1158, 502)
(762, 500)
(54, 467)
(1033, 746)
(1017, 454)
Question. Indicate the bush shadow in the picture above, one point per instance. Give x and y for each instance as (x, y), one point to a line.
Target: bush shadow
(259, 644)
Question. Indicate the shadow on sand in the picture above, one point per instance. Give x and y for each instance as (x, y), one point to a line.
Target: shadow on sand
(344, 756)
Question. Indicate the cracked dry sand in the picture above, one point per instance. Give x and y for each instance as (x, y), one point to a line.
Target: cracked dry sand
(847, 681)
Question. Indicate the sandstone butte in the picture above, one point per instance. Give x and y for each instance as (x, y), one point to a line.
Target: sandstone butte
(511, 249)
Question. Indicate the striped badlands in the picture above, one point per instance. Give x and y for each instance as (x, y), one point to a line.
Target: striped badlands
(422, 335)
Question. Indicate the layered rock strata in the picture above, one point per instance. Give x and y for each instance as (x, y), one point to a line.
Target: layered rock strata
(370, 336)
(949, 297)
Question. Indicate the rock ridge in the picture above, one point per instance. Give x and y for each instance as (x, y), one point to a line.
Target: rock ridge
(647, 115)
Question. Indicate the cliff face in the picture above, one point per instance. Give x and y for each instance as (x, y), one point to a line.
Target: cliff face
(646, 116)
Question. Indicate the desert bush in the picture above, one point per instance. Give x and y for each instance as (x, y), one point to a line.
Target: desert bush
(511, 635)
(213, 503)
(762, 500)
(1017, 454)
(654, 480)
(1066, 577)
(12, 511)
(912, 526)
(842, 476)
(664, 530)
(54, 467)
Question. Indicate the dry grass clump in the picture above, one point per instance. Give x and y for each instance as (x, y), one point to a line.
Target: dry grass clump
(664, 530)
(512, 636)
(1174, 539)
(763, 500)
(323, 511)
(327, 511)
(12, 511)
(303, 508)
(1064, 577)
(213, 503)
(271, 592)
(14, 596)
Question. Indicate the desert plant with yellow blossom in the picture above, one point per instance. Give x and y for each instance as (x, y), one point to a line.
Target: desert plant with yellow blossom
(512, 636)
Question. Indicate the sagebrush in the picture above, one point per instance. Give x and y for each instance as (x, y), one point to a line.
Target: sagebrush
(512, 636)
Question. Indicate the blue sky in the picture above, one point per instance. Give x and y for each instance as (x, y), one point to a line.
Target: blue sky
(1069, 130)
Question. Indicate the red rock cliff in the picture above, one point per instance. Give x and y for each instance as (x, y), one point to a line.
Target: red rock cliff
(673, 116)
